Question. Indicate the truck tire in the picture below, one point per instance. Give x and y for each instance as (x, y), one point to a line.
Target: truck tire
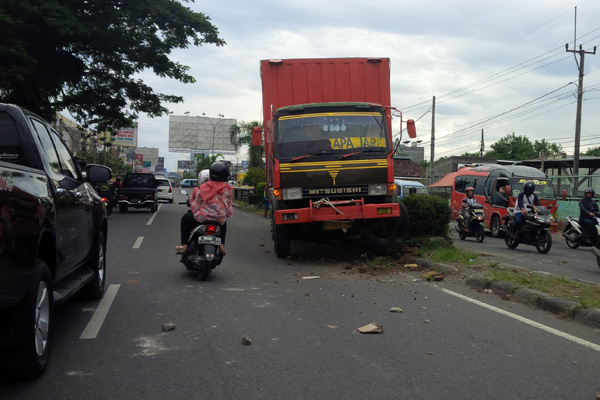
(30, 360)
(383, 236)
(403, 222)
(94, 290)
(281, 239)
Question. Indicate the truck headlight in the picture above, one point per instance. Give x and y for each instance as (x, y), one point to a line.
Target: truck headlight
(292, 193)
(378, 189)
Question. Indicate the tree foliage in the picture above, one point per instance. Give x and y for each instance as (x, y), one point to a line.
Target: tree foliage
(87, 56)
(241, 135)
(512, 147)
(592, 151)
(204, 162)
(254, 176)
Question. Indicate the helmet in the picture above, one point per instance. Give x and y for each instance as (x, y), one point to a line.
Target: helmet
(589, 190)
(470, 189)
(529, 187)
(219, 172)
(203, 176)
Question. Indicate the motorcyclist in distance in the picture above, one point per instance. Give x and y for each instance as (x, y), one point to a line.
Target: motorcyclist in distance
(525, 198)
(467, 201)
(587, 213)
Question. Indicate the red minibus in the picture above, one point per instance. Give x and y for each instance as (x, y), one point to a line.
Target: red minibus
(490, 181)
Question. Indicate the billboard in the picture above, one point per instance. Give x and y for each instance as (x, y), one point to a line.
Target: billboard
(127, 137)
(186, 165)
(197, 134)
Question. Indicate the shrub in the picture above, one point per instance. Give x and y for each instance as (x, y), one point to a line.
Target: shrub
(429, 215)
(260, 189)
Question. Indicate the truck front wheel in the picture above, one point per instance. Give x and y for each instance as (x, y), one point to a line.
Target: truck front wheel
(281, 239)
(383, 236)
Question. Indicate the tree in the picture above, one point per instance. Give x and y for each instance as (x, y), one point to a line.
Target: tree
(204, 162)
(548, 148)
(86, 56)
(592, 151)
(512, 147)
(241, 135)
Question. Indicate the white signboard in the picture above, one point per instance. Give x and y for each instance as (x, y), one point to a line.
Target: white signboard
(127, 137)
(196, 134)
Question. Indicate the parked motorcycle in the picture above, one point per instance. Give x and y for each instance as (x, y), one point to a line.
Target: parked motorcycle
(203, 247)
(474, 226)
(533, 231)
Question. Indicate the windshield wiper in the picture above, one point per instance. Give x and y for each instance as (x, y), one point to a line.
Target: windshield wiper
(362, 151)
(301, 157)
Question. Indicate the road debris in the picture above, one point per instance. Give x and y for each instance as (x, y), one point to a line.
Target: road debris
(311, 277)
(412, 267)
(373, 327)
(246, 340)
(169, 326)
(395, 309)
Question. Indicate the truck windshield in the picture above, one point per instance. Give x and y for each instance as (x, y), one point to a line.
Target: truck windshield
(543, 187)
(331, 133)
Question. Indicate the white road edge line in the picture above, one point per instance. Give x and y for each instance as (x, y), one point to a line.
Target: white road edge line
(553, 331)
(153, 215)
(138, 242)
(93, 327)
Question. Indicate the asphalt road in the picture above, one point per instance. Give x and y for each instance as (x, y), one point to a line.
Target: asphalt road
(449, 342)
(561, 260)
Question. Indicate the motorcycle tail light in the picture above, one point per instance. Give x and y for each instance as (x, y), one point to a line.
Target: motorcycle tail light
(104, 199)
(211, 229)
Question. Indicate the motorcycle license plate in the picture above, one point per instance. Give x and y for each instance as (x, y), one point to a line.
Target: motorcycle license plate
(209, 240)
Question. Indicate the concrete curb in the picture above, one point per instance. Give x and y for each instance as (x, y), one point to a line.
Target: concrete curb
(543, 301)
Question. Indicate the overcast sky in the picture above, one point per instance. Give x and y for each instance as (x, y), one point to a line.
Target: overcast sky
(500, 66)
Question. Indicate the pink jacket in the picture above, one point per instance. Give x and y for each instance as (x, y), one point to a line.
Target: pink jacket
(213, 203)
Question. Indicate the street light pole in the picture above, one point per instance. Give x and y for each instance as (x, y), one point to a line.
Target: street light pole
(212, 152)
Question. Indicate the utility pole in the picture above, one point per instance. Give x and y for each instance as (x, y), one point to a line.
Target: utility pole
(432, 140)
(482, 149)
(582, 53)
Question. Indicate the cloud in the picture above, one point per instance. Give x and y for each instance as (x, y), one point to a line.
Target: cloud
(480, 60)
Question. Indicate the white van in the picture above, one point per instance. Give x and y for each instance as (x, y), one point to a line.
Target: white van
(406, 188)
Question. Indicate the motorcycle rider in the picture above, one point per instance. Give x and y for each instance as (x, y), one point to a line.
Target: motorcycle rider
(587, 213)
(467, 201)
(188, 222)
(213, 201)
(525, 198)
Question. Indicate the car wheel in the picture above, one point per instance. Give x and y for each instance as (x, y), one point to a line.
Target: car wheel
(495, 227)
(30, 360)
(95, 288)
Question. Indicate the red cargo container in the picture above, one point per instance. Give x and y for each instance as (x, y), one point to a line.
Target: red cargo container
(328, 147)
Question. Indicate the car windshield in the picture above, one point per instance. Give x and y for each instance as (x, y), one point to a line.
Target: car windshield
(343, 133)
(543, 187)
(163, 183)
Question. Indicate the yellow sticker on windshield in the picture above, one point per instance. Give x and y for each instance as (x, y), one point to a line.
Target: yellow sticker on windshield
(356, 142)
(535, 181)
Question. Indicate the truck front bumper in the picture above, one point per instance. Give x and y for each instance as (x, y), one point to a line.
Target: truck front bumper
(321, 211)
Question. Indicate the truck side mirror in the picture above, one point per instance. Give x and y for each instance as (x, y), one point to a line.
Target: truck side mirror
(411, 129)
(564, 194)
(257, 136)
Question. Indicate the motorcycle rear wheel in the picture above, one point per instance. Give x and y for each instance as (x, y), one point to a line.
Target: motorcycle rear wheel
(510, 242)
(571, 242)
(204, 270)
(543, 242)
(479, 234)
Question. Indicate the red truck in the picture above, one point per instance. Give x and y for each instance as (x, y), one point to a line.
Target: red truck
(328, 148)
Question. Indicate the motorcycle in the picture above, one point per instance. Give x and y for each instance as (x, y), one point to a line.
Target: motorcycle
(574, 235)
(575, 238)
(474, 226)
(534, 230)
(107, 205)
(203, 247)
